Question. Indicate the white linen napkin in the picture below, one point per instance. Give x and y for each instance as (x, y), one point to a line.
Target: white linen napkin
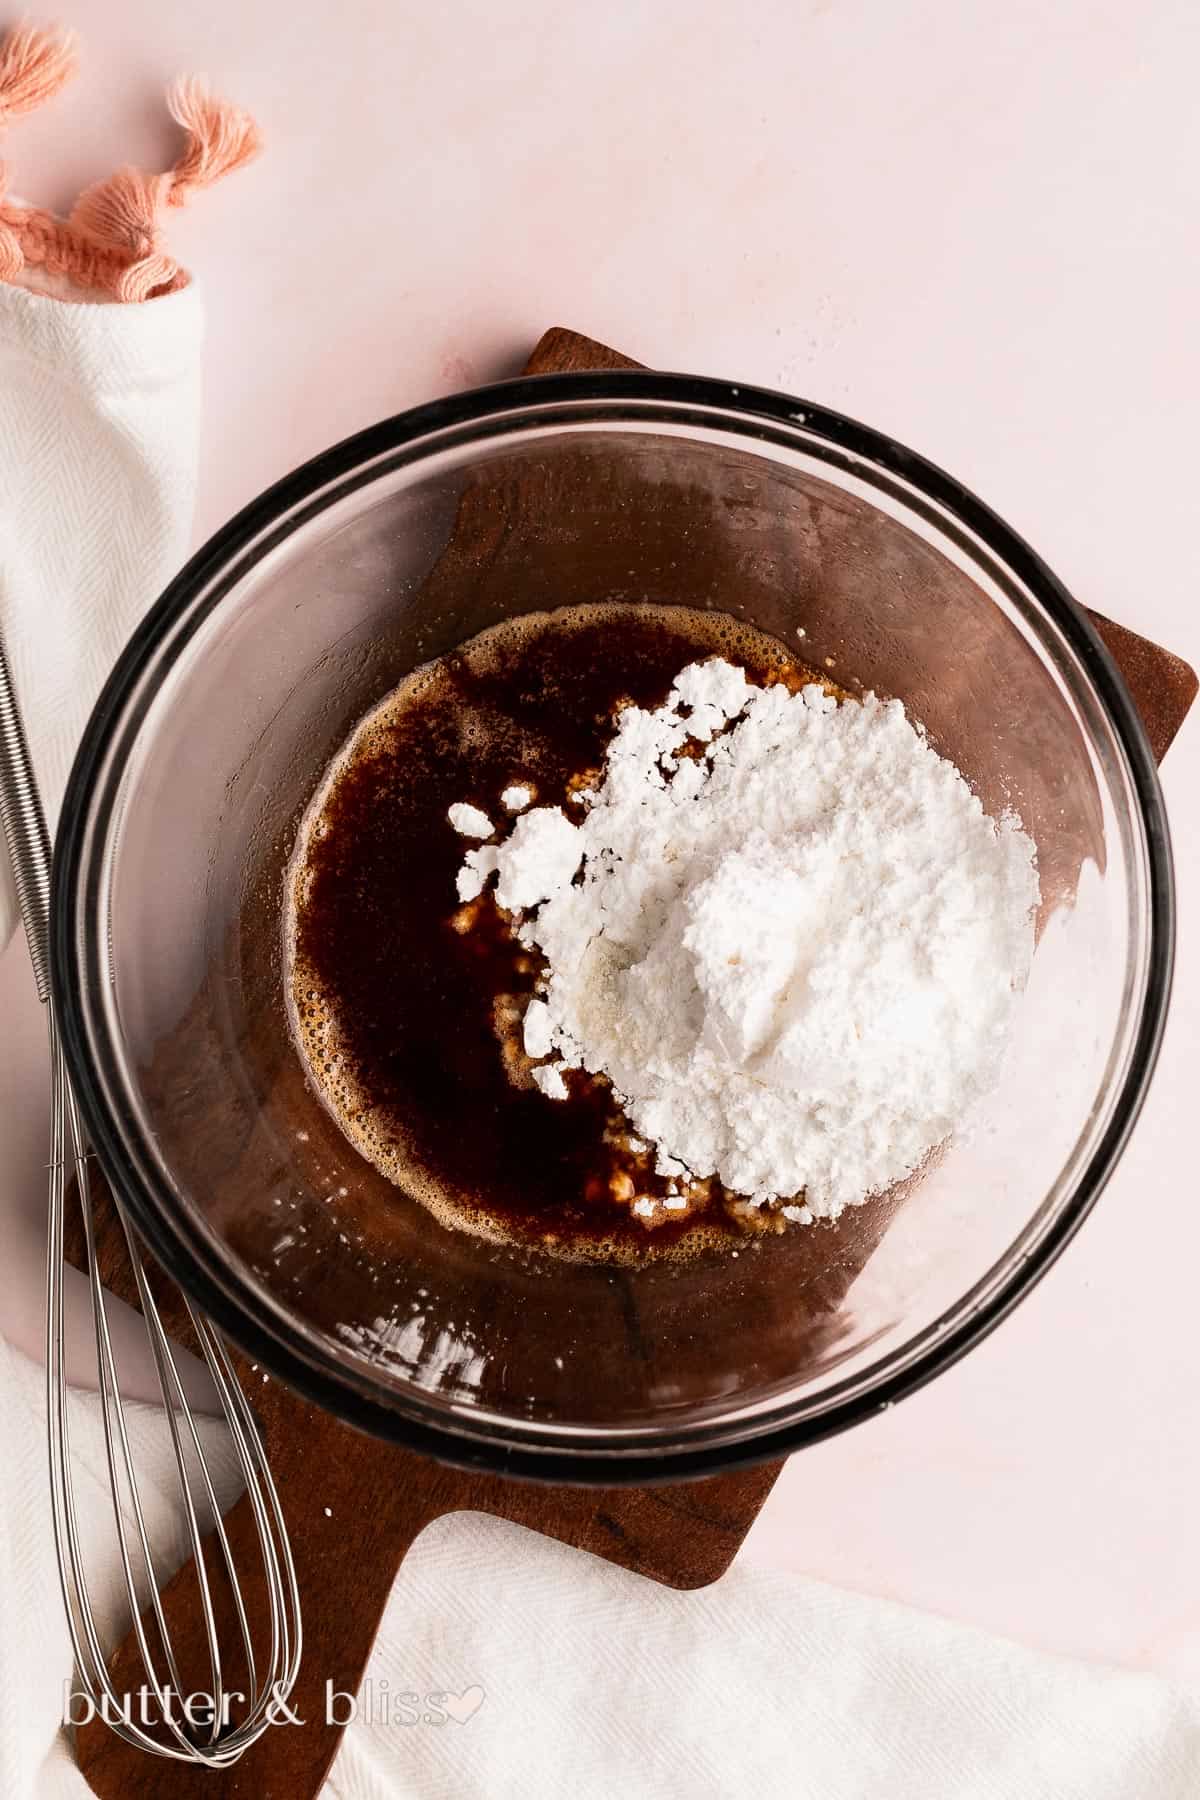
(569, 1675)
(99, 426)
(100, 334)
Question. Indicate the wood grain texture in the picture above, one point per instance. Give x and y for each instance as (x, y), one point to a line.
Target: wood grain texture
(1163, 686)
(347, 1553)
(562, 352)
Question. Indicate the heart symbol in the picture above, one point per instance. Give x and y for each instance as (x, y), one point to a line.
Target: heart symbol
(464, 1706)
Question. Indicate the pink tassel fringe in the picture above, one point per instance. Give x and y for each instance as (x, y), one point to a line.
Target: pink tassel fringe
(112, 239)
(34, 64)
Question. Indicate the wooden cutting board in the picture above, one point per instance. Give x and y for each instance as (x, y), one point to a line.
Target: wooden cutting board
(684, 1536)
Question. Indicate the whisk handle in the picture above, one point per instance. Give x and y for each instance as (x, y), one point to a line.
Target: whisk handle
(25, 829)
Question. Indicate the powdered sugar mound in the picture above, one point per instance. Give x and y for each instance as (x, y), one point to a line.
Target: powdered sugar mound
(541, 855)
(538, 1029)
(548, 1077)
(470, 821)
(795, 955)
(472, 877)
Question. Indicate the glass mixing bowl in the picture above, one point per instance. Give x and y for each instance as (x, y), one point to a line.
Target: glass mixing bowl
(247, 676)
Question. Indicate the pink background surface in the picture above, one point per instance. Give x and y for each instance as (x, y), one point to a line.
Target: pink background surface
(972, 226)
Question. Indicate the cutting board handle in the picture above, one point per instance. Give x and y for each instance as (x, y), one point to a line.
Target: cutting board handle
(347, 1546)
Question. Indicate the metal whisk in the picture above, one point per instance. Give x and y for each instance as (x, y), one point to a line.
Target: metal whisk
(221, 1739)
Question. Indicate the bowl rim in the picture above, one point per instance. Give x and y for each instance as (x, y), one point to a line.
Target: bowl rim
(178, 1243)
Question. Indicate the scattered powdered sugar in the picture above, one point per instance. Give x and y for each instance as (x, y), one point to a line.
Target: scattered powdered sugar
(548, 1077)
(540, 856)
(470, 821)
(795, 955)
(516, 798)
(538, 1029)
